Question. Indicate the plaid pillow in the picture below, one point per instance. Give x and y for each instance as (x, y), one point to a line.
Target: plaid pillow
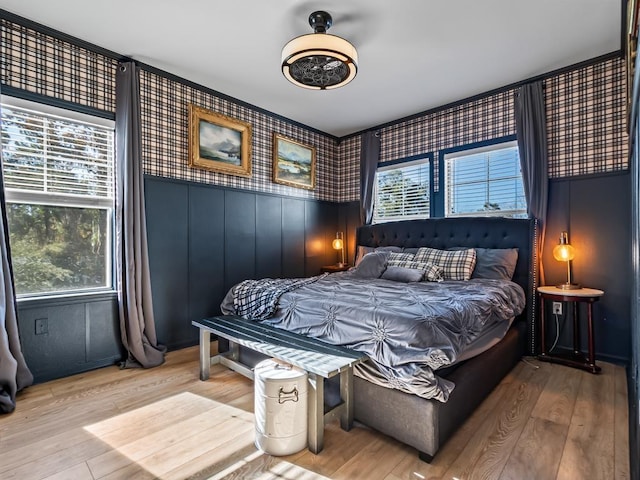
(400, 257)
(456, 265)
(431, 273)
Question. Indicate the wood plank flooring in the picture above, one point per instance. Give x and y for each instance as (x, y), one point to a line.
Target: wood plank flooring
(544, 421)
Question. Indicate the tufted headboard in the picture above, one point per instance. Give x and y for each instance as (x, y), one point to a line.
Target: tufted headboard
(482, 232)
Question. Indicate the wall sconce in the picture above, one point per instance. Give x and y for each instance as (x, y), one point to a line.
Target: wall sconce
(338, 244)
(563, 252)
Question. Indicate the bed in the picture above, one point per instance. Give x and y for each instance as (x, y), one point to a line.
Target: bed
(423, 384)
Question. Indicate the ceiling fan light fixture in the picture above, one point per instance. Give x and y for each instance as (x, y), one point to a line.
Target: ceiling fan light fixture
(319, 61)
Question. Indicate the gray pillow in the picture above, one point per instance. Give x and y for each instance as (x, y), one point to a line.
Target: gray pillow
(431, 273)
(494, 263)
(402, 274)
(372, 265)
(362, 251)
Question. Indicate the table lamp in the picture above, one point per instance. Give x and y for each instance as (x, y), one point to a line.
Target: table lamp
(564, 252)
(338, 244)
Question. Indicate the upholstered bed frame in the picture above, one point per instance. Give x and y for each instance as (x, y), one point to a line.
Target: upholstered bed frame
(427, 424)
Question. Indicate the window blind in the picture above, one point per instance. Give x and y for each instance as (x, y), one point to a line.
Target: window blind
(485, 182)
(402, 192)
(47, 154)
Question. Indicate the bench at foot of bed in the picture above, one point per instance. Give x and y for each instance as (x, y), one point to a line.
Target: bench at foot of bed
(319, 359)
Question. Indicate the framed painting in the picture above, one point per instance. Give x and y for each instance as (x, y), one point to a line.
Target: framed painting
(294, 163)
(219, 143)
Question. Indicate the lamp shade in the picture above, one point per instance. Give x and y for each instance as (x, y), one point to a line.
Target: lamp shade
(563, 252)
(319, 61)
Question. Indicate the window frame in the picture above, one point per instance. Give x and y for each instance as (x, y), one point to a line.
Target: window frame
(469, 149)
(70, 200)
(427, 158)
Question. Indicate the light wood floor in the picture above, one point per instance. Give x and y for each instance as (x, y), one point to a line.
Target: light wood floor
(542, 422)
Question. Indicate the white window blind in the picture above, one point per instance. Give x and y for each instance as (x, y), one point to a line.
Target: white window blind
(59, 182)
(485, 181)
(59, 157)
(402, 192)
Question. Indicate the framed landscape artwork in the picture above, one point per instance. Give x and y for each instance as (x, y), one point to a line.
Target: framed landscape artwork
(219, 143)
(294, 164)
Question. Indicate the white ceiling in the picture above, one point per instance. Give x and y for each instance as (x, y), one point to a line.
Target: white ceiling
(414, 55)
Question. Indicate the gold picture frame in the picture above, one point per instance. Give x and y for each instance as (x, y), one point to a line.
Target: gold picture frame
(294, 163)
(219, 143)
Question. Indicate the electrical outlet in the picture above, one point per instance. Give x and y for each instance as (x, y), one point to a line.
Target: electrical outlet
(42, 326)
(557, 308)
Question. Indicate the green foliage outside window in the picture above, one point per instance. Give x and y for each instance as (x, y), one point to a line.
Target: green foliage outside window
(402, 193)
(57, 248)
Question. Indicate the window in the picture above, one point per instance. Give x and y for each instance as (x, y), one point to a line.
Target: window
(59, 185)
(402, 191)
(484, 181)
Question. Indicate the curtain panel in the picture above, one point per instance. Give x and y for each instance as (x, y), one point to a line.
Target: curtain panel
(137, 325)
(14, 373)
(531, 128)
(369, 158)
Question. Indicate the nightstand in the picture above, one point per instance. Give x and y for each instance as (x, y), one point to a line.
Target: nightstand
(335, 268)
(574, 297)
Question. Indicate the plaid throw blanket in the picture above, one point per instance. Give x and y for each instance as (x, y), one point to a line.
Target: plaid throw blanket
(257, 299)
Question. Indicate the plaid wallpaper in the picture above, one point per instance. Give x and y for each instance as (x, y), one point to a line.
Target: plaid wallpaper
(348, 170)
(165, 140)
(472, 122)
(585, 114)
(42, 64)
(586, 125)
(489, 117)
(586, 120)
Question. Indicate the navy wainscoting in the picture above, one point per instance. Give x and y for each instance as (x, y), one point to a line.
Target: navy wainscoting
(203, 239)
(596, 211)
(82, 333)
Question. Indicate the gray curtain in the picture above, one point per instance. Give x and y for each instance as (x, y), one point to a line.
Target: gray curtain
(531, 127)
(14, 373)
(137, 326)
(369, 158)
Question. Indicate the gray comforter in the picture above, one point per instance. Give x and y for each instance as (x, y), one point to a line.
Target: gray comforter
(408, 330)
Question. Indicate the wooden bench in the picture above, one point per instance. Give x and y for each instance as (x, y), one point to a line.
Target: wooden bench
(319, 359)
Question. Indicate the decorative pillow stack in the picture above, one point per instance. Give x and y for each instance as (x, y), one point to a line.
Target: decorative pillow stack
(456, 265)
(425, 264)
